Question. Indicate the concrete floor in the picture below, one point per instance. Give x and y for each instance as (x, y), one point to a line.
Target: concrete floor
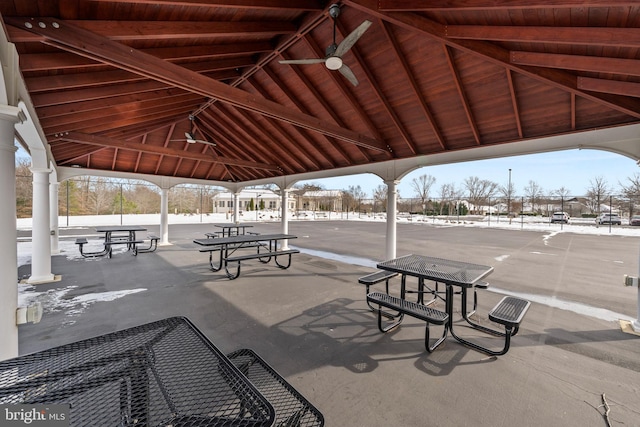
(312, 325)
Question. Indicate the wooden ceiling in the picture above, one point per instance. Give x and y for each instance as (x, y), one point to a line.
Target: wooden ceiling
(114, 82)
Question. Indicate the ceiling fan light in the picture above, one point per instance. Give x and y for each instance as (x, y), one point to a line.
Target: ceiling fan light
(333, 63)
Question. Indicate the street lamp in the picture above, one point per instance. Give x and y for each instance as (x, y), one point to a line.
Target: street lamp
(509, 197)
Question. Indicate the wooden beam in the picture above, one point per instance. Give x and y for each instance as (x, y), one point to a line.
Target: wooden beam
(63, 60)
(339, 85)
(154, 30)
(586, 36)
(594, 64)
(126, 101)
(609, 86)
(462, 5)
(234, 4)
(84, 138)
(514, 102)
(497, 55)
(71, 38)
(463, 96)
(377, 90)
(413, 84)
(306, 145)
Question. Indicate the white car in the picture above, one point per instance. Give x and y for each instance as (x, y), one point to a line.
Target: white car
(609, 218)
(561, 217)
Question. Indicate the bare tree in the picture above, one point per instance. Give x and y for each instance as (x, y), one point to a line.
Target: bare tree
(632, 189)
(509, 193)
(100, 196)
(353, 197)
(380, 195)
(422, 185)
(561, 192)
(480, 190)
(597, 192)
(448, 194)
(24, 188)
(533, 191)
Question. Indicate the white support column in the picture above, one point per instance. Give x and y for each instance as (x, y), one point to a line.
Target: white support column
(236, 207)
(53, 213)
(8, 248)
(284, 216)
(40, 231)
(392, 198)
(636, 323)
(164, 216)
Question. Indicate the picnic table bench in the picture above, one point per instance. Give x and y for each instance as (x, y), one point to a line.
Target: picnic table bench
(413, 309)
(292, 409)
(226, 248)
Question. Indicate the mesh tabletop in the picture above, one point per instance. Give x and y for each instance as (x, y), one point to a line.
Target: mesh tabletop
(222, 241)
(159, 374)
(116, 228)
(437, 269)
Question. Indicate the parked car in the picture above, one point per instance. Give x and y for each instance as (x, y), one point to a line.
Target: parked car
(635, 220)
(561, 217)
(609, 218)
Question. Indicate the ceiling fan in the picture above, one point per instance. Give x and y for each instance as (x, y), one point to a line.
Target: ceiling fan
(334, 52)
(190, 136)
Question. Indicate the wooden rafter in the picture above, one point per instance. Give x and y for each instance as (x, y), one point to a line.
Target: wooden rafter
(409, 75)
(609, 86)
(320, 99)
(497, 55)
(594, 64)
(435, 5)
(341, 86)
(590, 36)
(462, 94)
(156, 30)
(109, 142)
(309, 150)
(63, 60)
(395, 119)
(86, 43)
(236, 4)
(514, 103)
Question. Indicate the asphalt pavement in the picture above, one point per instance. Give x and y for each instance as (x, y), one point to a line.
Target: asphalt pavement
(565, 367)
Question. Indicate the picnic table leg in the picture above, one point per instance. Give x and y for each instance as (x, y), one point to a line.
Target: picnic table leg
(475, 346)
(230, 275)
(265, 260)
(275, 259)
(473, 324)
(211, 264)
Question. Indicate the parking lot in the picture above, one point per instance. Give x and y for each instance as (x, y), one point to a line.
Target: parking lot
(312, 324)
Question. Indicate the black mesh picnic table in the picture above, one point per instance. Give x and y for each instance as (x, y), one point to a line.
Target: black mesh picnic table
(437, 269)
(158, 374)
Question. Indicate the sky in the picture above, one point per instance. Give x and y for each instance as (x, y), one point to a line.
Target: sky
(571, 169)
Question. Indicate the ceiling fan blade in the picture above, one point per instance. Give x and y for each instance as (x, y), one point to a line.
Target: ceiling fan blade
(348, 74)
(303, 61)
(206, 142)
(352, 38)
